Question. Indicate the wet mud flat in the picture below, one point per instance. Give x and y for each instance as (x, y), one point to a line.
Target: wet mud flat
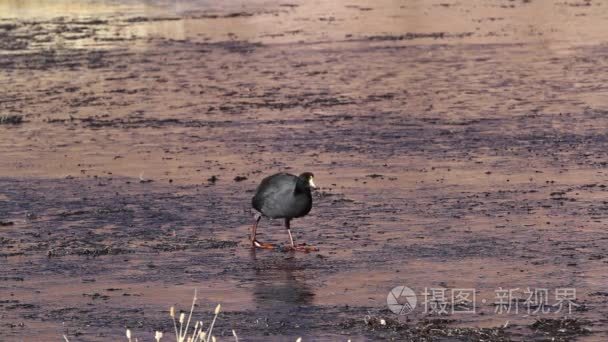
(90, 257)
(467, 155)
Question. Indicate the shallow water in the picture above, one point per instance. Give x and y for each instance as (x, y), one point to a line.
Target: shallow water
(456, 145)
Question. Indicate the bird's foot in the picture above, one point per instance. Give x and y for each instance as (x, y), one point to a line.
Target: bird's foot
(301, 248)
(263, 245)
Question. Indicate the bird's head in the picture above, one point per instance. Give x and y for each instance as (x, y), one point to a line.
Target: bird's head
(308, 178)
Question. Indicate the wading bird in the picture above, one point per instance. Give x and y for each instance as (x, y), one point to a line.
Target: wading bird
(285, 196)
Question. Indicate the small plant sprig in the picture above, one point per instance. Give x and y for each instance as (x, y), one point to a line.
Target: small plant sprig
(181, 334)
(198, 335)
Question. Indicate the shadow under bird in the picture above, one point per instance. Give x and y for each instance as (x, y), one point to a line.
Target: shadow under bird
(285, 196)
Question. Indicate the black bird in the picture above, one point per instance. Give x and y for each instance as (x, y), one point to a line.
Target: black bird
(285, 196)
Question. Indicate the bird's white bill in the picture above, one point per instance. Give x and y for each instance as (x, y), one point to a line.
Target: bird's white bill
(311, 183)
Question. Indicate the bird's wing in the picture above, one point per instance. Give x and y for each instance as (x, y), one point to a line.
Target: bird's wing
(271, 190)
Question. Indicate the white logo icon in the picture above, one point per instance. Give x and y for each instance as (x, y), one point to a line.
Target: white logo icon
(401, 300)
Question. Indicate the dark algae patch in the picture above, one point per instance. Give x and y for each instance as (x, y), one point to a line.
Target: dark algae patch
(10, 119)
(561, 329)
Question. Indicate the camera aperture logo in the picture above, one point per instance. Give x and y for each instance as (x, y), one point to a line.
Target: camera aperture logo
(401, 300)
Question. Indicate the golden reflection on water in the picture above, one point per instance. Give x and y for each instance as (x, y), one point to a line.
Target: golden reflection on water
(47, 9)
(541, 21)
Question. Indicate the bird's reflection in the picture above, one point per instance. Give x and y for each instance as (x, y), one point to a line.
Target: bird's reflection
(278, 282)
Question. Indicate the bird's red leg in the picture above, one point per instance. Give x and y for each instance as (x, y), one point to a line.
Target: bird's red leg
(300, 248)
(254, 228)
(254, 242)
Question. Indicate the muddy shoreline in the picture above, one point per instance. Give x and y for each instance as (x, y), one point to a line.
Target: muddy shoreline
(456, 146)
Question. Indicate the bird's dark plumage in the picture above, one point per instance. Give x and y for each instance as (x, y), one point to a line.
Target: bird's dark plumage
(283, 195)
